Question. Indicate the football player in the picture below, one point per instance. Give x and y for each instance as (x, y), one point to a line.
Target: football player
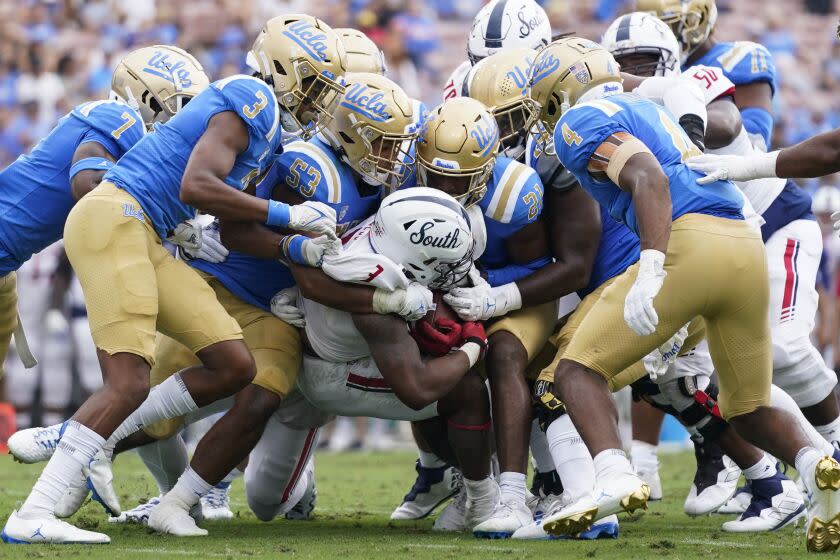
(201, 159)
(791, 235)
(362, 53)
(748, 65)
(636, 170)
(500, 25)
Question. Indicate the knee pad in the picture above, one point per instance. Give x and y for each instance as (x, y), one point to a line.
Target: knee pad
(165, 429)
(547, 407)
(696, 406)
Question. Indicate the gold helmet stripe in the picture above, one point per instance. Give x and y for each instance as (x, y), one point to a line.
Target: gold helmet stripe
(731, 59)
(330, 174)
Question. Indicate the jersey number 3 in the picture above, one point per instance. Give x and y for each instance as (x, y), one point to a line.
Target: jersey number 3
(258, 106)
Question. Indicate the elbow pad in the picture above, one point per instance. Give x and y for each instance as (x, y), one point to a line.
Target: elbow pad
(759, 125)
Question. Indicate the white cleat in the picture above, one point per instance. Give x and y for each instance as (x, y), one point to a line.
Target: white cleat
(651, 478)
(139, 514)
(606, 528)
(100, 480)
(776, 503)
(715, 482)
(738, 503)
(172, 516)
(823, 528)
(621, 492)
(304, 510)
(215, 505)
(480, 509)
(47, 530)
(454, 516)
(431, 488)
(34, 445)
(507, 518)
(568, 519)
(73, 498)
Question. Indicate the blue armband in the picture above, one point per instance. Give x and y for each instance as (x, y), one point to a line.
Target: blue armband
(92, 163)
(758, 122)
(278, 214)
(514, 272)
(291, 246)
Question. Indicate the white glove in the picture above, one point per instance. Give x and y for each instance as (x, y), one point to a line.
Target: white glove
(284, 306)
(314, 250)
(186, 236)
(758, 165)
(411, 303)
(210, 245)
(483, 302)
(311, 216)
(638, 305)
(658, 361)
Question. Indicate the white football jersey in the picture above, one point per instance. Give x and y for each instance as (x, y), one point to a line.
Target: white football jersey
(455, 83)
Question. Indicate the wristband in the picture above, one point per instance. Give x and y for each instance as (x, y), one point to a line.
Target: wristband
(765, 163)
(92, 163)
(278, 214)
(512, 295)
(472, 350)
(291, 247)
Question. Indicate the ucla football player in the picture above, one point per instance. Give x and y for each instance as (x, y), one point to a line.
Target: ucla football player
(362, 53)
(791, 234)
(748, 65)
(203, 158)
(39, 189)
(636, 170)
(457, 154)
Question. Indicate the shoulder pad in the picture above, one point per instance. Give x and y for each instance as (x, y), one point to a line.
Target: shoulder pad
(746, 62)
(712, 80)
(308, 169)
(517, 194)
(581, 130)
(254, 101)
(115, 119)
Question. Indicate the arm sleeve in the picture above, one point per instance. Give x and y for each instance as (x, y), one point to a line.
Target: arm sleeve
(759, 126)
(514, 272)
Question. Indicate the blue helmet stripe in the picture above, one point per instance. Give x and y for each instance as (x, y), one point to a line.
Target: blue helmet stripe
(493, 39)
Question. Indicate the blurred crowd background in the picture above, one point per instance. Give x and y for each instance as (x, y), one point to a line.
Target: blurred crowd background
(55, 54)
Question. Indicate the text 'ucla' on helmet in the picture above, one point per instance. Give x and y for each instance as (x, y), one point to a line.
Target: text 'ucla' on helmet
(157, 81)
(507, 24)
(374, 129)
(428, 233)
(302, 58)
(643, 45)
(457, 151)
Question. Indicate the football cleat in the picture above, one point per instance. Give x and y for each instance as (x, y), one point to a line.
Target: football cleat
(73, 498)
(823, 529)
(432, 487)
(35, 445)
(304, 510)
(481, 508)
(507, 518)
(776, 502)
(606, 528)
(715, 481)
(100, 481)
(621, 492)
(651, 478)
(454, 516)
(739, 503)
(172, 516)
(139, 514)
(571, 518)
(215, 504)
(47, 530)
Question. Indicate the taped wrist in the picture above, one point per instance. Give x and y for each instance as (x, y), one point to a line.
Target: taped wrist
(473, 349)
(386, 301)
(291, 249)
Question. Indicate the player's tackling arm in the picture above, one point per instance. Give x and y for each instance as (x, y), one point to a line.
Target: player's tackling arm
(628, 163)
(85, 180)
(415, 382)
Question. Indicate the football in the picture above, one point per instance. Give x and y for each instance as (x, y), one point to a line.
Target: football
(442, 310)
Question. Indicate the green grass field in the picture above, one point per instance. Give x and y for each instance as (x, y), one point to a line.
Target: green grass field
(356, 495)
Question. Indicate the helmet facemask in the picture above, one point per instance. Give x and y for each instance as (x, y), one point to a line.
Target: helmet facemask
(514, 120)
(658, 66)
(450, 274)
(308, 106)
(388, 159)
(467, 187)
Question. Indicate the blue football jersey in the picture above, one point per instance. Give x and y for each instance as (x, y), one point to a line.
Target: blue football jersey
(586, 126)
(743, 62)
(619, 249)
(152, 171)
(315, 172)
(35, 195)
(513, 200)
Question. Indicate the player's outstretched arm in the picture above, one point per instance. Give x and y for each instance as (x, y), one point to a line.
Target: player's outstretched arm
(724, 123)
(90, 162)
(415, 382)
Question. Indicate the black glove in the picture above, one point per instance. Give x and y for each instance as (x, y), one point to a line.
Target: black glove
(693, 126)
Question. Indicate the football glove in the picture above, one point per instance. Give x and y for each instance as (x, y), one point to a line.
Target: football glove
(284, 306)
(316, 217)
(210, 245)
(657, 362)
(639, 313)
(411, 303)
(735, 168)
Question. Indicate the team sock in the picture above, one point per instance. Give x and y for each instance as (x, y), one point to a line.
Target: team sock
(166, 459)
(643, 456)
(429, 460)
(571, 458)
(830, 432)
(539, 449)
(190, 488)
(780, 399)
(765, 468)
(512, 485)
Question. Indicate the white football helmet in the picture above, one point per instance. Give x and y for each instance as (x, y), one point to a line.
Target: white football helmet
(508, 24)
(826, 200)
(428, 233)
(640, 34)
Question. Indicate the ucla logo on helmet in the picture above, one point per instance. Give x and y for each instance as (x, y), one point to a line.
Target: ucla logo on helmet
(519, 75)
(162, 66)
(361, 99)
(309, 38)
(545, 64)
(486, 133)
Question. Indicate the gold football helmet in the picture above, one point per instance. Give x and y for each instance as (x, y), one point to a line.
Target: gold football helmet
(457, 151)
(500, 82)
(564, 72)
(373, 128)
(157, 81)
(362, 54)
(302, 58)
(691, 21)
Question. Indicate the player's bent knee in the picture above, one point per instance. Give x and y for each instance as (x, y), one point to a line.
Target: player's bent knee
(468, 401)
(505, 355)
(262, 511)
